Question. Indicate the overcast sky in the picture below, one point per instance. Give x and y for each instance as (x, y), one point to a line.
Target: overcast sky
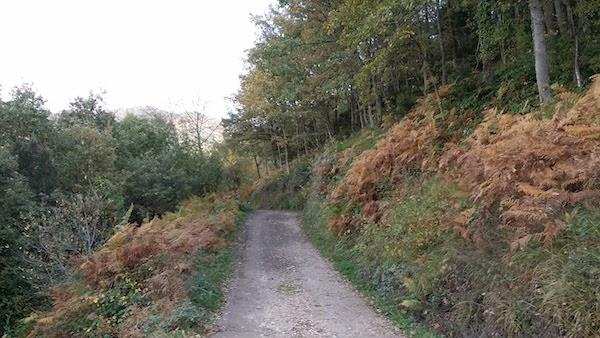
(163, 53)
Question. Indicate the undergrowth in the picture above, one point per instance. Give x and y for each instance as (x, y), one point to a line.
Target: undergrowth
(162, 279)
(348, 261)
(495, 233)
(285, 190)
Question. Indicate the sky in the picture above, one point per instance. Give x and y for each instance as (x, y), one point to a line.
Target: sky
(170, 54)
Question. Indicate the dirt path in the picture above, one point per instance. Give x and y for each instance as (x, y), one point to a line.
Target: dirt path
(283, 288)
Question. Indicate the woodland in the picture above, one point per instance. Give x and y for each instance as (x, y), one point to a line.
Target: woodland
(445, 155)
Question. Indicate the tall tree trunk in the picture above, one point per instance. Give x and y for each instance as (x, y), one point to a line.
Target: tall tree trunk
(352, 106)
(280, 159)
(575, 35)
(441, 41)
(266, 160)
(285, 150)
(370, 115)
(539, 47)
(502, 44)
(502, 52)
(361, 113)
(287, 159)
(576, 70)
(257, 164)
(452, 38)
(378, 102)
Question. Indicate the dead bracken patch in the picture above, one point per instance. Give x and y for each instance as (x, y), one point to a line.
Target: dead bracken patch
(519, 169)
(526, 170)
(409, 146)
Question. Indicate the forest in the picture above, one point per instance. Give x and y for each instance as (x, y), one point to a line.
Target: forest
(325, 69)
(443, 153)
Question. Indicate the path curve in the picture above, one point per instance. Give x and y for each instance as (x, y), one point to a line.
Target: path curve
(282, 287)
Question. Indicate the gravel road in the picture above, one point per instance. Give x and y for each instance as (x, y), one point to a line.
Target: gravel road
(282, 287)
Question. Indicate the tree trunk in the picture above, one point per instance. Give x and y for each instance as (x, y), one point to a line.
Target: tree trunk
(560, 18)
(575, 35)
(266, 160)
(576, 71)
(502, 43)
(424, 35)
(257, 164)
(539, 47)
(280, 160)
(441, 41)
(287, 160)
(361, 113)
(378, 103)
(548, 10)
(424, 69)
(285, 151)
(352, 111)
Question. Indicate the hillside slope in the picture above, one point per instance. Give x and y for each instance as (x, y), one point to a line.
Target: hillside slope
(493, 234)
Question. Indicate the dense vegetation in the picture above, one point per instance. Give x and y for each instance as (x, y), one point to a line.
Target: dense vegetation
(445, 154)
(325, 69)
(68, 179)
(466, 196)
(165, 278)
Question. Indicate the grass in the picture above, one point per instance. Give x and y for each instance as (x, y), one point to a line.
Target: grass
(206, 291)
(207, 284)
(341, 252)
(206, 287)
(438, 258)
(360, 141)
(418, 272)
(567, 275)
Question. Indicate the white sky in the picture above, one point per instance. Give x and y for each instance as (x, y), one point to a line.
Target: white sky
(163, 53)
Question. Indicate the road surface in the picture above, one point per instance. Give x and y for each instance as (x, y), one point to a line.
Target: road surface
(282, 287)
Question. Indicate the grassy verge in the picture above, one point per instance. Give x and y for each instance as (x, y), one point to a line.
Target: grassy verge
(340, 251)
(206, 293)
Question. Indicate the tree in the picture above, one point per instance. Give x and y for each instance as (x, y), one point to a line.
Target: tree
(198, 129)
(539, 47)
(159, 169)
(26, 128)
(83, 155)
(88, 111)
